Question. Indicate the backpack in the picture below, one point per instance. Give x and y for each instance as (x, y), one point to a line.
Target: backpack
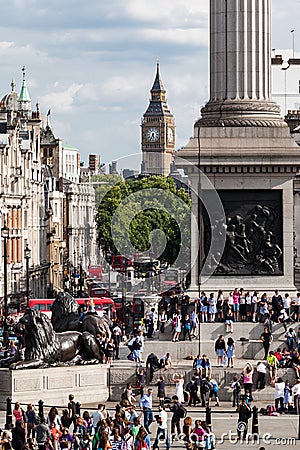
(216, 388)
(270, 410)
(206, 385)
(182, 412)
(188, 386)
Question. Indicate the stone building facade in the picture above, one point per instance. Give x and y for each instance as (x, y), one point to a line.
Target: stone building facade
(42, 202)
(22, 194)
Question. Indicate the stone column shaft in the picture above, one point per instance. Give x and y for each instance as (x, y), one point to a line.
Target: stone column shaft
(240, 65)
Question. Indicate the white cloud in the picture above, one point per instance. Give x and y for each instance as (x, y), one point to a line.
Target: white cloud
(63, 101)
(93, 63)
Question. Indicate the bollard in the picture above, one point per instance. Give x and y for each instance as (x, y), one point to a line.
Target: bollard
(255, 427)
(41, 409)
(208, 417)
(8, 417)
(77, 408)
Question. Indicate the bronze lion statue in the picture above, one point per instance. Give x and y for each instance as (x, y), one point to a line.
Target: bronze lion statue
(65, 317)
(43, 347)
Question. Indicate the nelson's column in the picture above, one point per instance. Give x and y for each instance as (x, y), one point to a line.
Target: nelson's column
(244, 147)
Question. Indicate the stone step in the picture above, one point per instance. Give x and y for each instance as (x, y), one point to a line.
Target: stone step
(180, 350)
(250, 330)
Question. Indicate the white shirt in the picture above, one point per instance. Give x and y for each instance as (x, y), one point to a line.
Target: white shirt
(96, 416)
(261, 368)
(248, 299)
(230, 300)
(296, 301)
(286, 302)
(279, 390)
(296, 389)
(164, 419)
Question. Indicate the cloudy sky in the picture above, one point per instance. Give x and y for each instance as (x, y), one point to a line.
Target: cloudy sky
(93, 63)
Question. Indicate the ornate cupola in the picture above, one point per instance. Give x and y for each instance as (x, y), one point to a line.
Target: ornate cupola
(24, 98)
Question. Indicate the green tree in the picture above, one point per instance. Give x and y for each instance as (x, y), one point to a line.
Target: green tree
(131, 210)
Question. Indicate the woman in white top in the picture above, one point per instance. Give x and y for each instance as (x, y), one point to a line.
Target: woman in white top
(177, 329)
(178, 380)
(230, 301)
(279, 394)
(254, 305)
(248, 306)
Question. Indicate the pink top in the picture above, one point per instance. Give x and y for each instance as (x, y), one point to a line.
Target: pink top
(236, 297)
(248, 377)
(18, 414)
(200, 432)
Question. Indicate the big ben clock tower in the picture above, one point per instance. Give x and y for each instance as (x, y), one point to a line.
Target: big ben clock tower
(158, 132)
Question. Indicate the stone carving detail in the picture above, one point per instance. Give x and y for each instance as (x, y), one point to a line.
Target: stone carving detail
(44, 347)
(253, 242)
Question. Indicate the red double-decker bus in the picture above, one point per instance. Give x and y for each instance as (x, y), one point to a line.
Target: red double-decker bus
(95, 272)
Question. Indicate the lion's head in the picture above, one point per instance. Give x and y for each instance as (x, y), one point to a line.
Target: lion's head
(64, 310)
(41, 341)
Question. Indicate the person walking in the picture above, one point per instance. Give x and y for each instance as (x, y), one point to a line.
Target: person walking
(266, 338)
(42, 433)
(244, 415)
(176, 409)
(162, 429)
(145, 404)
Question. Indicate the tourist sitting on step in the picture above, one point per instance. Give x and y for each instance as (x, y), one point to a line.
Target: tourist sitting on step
(202, 366)
(166, 361)
(290, 339)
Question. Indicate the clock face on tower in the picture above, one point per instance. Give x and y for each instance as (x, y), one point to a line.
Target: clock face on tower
(152, 134)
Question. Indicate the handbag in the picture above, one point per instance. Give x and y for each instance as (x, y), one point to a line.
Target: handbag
(130, 356)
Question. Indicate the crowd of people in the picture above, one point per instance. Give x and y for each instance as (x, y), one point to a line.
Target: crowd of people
(120, 429)
(238, 306)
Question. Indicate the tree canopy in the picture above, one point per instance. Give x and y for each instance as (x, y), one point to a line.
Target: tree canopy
(130, 211)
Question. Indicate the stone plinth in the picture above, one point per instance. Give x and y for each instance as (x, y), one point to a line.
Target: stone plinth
(244, 159)
(88, 383)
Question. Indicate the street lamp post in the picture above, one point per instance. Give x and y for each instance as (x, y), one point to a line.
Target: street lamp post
(80, 277)
(27, 253)
(5, 236)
